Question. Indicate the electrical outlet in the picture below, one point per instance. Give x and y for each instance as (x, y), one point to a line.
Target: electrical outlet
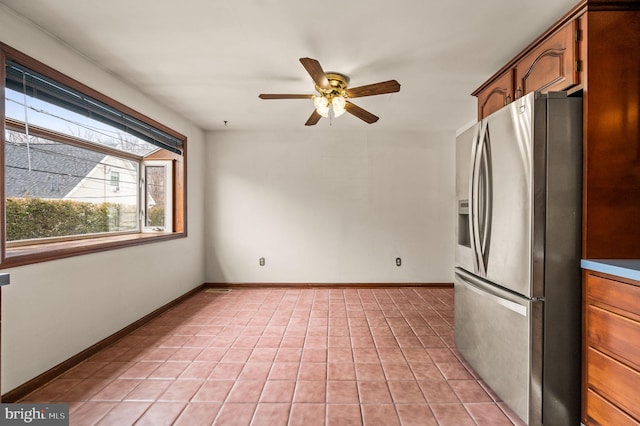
(398, 261)
(262, 261)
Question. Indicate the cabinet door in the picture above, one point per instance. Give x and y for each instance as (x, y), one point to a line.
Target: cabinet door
(496, 95)
(551, 66)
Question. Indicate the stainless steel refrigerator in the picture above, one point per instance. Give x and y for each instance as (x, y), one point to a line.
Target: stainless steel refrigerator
(517, 275)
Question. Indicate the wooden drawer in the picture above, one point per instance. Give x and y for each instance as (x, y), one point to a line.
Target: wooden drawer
(614, 293)
(602, 412)
(615, 335)
(616, 382)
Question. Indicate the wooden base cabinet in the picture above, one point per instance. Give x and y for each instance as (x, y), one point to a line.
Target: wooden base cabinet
(611, 350)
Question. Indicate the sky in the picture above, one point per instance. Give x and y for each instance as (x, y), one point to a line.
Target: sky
(55, 118)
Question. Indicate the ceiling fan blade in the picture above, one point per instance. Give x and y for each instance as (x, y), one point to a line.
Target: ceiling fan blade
(316, 72)
(374, 89)
(283, 96)
(313, 118)
(362, 114)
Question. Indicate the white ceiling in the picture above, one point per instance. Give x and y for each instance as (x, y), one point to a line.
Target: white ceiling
(209, 59)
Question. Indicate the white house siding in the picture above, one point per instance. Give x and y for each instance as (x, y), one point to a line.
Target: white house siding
(96, 187)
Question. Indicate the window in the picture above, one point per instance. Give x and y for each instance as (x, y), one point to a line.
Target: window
(158, 194)
(115, 181)
(82, 173)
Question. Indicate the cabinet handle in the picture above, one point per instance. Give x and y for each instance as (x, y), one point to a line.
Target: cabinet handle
(518, 93)
(507, 99)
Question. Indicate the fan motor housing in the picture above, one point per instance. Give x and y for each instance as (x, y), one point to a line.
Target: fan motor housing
(338, 83)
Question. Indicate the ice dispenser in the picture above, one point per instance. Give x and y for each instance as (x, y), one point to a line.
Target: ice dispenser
(463, 223)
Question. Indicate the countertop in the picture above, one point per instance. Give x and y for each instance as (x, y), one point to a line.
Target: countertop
(625, 268)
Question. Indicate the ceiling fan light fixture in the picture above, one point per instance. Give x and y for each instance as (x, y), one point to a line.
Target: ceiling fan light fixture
(338, 104)
(322, 105)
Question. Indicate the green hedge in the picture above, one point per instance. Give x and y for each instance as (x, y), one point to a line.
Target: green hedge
(155, 216)
(28, 218)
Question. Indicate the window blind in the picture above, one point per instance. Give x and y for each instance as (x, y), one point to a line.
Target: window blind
(25, 80)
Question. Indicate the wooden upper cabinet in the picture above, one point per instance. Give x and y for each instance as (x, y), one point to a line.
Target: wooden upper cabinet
(552, 65)
(496, 95)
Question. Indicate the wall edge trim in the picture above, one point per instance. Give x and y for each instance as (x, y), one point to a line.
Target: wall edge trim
(324, 285)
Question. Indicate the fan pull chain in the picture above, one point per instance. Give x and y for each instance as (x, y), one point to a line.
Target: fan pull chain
(26, 118)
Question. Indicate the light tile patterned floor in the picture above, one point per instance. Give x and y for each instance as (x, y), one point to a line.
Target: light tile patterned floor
(274, 356)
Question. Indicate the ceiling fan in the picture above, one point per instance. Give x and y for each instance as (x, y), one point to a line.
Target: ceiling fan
(333, 94)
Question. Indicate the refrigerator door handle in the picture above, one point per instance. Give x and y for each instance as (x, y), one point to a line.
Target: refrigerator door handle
(478, 203)
(473, 193)
(485, 192)
(484, 290)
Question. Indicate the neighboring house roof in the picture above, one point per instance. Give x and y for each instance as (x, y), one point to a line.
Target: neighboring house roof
(55, 168)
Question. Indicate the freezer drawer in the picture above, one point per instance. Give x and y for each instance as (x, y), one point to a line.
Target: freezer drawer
(499, 334)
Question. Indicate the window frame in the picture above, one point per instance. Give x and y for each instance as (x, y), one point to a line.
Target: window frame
(167, 165)
(24, 254)
(46, 134)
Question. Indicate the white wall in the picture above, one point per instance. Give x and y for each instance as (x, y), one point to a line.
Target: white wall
(51, 311)
(329, 206)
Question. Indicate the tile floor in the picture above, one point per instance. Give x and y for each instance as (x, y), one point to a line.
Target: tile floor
(274, 356)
